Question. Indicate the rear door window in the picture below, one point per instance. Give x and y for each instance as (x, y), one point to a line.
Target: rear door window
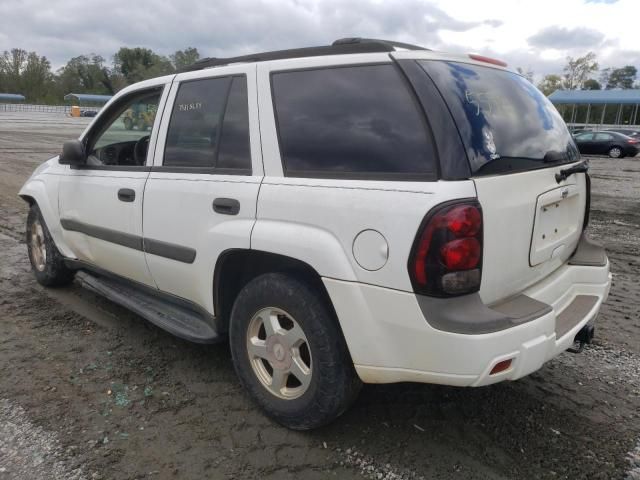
(351, 122)
(603, 137)
(506, 124)
(209, 126)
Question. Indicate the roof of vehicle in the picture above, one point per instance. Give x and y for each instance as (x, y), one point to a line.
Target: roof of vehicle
(87, 97)
(613, 132)
(14, 97)
(339, 47)
(625, 97)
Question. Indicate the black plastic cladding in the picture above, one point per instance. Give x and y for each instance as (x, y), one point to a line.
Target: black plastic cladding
(419, 289)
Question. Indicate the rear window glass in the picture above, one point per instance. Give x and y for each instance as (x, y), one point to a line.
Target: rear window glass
(505, 122)
(351, 122)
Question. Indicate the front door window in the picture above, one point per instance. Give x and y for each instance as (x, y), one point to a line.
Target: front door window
(123, 138)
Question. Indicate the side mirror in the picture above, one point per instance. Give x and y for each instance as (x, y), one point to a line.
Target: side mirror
(73, 153)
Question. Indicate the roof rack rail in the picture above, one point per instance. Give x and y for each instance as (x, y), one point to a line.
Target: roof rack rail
(339, 47)
(392, 43)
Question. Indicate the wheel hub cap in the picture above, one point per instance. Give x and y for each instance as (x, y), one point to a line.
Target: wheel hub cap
(38, 247)
(279, 353)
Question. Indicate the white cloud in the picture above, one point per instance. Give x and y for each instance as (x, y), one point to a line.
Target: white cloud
(515, 31)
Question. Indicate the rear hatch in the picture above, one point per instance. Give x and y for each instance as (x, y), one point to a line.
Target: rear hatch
(516, 142)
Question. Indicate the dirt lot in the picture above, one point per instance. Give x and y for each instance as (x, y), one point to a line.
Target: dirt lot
(88, 390)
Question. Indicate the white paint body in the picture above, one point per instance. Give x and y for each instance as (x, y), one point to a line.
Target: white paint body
(317, 222)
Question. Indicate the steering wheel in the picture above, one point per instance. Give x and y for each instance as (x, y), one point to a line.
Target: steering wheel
(140, 150)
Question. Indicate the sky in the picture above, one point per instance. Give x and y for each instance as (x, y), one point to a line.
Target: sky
(534, 35)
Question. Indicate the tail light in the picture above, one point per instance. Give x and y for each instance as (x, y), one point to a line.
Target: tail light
(632, 141)
(446, 258)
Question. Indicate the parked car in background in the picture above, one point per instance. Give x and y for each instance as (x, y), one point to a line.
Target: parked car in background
(88, 113)
(611, 143)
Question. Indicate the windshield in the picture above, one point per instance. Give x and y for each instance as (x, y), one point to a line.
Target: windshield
(506, 123)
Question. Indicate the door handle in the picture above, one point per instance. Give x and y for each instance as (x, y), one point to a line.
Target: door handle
(126, 195)
(226, 206)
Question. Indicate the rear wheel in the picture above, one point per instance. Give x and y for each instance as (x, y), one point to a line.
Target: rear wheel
(289, 352)
(46, 261)
(615, 152)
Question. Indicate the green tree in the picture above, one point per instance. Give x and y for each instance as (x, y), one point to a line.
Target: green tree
(36, 78)
(578, 70)
(550, 83)
(85, 74)
(136, 64)
(26, 73)
(184, 58)
(591, 84)
(11, 66)
(620, 77)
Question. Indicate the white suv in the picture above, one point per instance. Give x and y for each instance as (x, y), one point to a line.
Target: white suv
(362, 212)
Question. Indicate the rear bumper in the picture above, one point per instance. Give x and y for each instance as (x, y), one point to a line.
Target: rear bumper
(391, 339)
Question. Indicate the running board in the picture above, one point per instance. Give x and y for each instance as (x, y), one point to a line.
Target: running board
(172, 314)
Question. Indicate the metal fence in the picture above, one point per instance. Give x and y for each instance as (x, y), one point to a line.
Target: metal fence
(23, 107)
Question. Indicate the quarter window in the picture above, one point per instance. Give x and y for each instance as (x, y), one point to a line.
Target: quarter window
(351, 122)
(209, 125)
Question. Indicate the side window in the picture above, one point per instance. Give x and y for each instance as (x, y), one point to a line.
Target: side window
(209, 125)
(584, 137)
(603, 137)
(234, 152)
(351, 122)
(122, 138)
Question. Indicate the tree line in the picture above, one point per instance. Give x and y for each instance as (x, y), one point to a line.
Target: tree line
(580, 74)
(30, 74)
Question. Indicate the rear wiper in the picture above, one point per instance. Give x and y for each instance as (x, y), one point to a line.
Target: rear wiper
(553, 156)
(579, 168)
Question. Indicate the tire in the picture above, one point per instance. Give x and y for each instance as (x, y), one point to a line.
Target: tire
(615, 152)
(330, 385)
(47, 263)
(128, 123)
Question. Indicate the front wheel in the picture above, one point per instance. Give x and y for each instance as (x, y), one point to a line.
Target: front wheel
(289, 352)
(615, 152)
(47, 263)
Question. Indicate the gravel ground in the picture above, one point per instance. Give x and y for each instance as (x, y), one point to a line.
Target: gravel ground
(89, 390)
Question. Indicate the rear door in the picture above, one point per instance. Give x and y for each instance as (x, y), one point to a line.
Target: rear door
(602, 143)
(585, 143)
(200, 197)
(516, 142)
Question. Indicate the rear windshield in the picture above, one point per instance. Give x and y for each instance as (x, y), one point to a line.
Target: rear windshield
(506, 124)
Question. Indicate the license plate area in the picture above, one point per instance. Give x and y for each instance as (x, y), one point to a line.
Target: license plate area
(556, 224)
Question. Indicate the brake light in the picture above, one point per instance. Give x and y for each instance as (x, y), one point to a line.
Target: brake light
(461, 254)
(446, 257)
(492, 61)
(632, 141)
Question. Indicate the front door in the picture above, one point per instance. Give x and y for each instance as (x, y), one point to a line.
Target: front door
(201, 195)
(101, 202)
